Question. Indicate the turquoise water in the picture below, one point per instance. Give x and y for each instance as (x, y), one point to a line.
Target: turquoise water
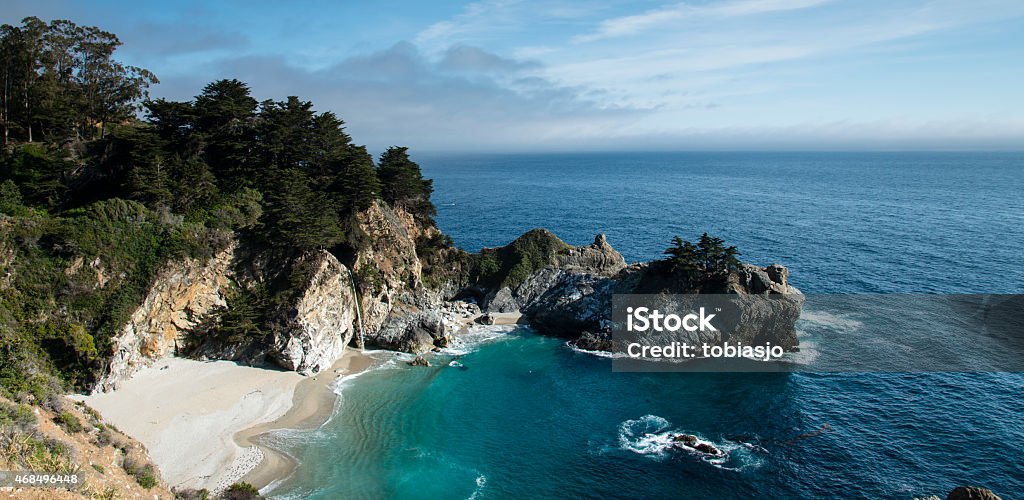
(527, 417)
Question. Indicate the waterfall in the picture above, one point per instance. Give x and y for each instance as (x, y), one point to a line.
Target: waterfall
(358, 314)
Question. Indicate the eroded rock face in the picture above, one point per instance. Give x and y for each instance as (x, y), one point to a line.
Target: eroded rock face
(598, 260)
(575, 303)
(410, 329)
(579, 305)
(321, 320)
(183, 294)
(773, 279)
(388, 265)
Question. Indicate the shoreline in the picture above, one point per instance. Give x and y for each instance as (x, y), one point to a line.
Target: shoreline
(204, 422)
(313, 404)
(201, 421)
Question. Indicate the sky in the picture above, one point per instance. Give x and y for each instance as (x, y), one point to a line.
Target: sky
(555, 75)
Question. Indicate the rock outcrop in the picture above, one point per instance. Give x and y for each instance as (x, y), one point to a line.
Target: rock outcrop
(321, 320)
(598, 259)
(182, 296)
(971, 493)
(409, 329)
(577, 303)
(387, 264)
(398, 311)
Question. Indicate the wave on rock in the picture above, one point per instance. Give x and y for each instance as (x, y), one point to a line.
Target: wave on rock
(652, 436)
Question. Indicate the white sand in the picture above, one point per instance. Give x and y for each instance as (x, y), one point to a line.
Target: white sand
(187, 413)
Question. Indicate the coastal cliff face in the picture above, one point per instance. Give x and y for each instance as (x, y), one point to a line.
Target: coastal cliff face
(184, 294)
(318, 316)
(387, 264)
(398, 311)
(383, 301)
(324, 306)
(322, 319)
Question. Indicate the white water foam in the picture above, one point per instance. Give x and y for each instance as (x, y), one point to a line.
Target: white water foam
(838, 322)
(600, 354)
(481, 481)
(651, 436)
(810, 324)
(476, 336)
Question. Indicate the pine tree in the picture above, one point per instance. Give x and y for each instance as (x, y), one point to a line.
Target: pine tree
(709, 260)
(358, 185)
(402, 183)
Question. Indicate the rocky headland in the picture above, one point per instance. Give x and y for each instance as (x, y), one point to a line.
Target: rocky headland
(387, 295)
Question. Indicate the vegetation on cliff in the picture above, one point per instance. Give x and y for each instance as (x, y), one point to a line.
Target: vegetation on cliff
(708, 262)
(61, 82)
(511, 264)
(97, 198)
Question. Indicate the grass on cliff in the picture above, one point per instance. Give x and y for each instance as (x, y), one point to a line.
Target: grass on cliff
(22, 446)
(511, 264)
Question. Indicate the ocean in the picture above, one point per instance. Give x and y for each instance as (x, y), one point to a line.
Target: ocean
(525, 416)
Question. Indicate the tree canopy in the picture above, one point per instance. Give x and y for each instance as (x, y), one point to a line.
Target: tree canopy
(707, 261)
(60, 81)
(402, 182)
(100, 187)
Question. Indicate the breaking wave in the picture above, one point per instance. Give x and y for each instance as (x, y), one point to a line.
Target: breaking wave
(653, 436)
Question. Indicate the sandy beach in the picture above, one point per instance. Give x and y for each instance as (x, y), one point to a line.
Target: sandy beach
(509, 318)
(312, 404)
(201, 420)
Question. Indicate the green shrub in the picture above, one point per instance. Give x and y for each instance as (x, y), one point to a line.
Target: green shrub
(69, 422)
(143, 472)
(241, 491)
(191, 494)
(17, 416)
(510, 265)
(31, 450)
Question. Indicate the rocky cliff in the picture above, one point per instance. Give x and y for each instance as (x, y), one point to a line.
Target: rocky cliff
(571, 294)
(547, 260)
(183, 295)
(322, 320)
(383, 301)
(578, 305)
(322, 305)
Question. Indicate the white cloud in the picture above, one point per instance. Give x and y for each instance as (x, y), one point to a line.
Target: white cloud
(629, 25)
(484, 17)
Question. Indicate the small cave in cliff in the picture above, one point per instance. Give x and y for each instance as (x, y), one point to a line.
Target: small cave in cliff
(345, 253)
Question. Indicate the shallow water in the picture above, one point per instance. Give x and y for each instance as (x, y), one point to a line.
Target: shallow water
(525, 416)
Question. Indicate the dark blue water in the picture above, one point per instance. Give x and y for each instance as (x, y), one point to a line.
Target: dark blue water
(528, 417)
(842, 222)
